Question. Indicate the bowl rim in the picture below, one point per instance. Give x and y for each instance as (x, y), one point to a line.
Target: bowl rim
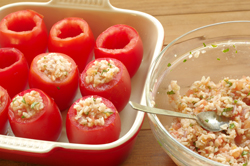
(154, 118)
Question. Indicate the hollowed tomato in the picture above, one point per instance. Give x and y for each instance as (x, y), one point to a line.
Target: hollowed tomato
(62, 91)
(42, 124)
(121, 42)
(14, 70)
(4, 103)
(26, 31)
(117, 90)
(73, 37)
(96, 134)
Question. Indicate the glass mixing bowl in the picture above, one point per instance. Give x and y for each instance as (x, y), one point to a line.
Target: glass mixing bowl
(219, 50)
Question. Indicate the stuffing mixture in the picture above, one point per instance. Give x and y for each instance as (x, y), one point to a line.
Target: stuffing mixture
(92, 112)
(101, 72)
(229, 98)
(27, 105)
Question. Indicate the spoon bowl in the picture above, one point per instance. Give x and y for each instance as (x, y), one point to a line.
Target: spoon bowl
(209, 120)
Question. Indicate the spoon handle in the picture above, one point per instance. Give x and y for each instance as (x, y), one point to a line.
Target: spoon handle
(160, 111)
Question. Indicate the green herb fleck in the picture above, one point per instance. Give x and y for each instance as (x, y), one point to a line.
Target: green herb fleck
(191, 125)
(236, 51)
(170, 92)
(232, 125)
(228, 82)
(94, 99)
(193, 102)
(58, 88)
(201, 97)
(185, 60)
(245, 164)
(234, 46)
(34, 104)
(209, 87)
(235, 101)
(228, 109)
(226, 50)
(244, 153)
(44, 57)
(190, 52)
(248, 94)
(207, 120)
(214, 45)
(16, 98)
(104, 71)
(169, 64)
(87, 113)
(23, 100)
(218, 59)
(22, 116)
(204, 44)
(109, 65)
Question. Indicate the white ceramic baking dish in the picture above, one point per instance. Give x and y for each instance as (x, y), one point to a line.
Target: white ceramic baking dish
(100, 14)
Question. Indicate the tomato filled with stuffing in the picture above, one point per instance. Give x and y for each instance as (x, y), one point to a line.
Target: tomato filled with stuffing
(57, 75)
(33, 114)
(109, 78)
(4, 103)
(93, 120)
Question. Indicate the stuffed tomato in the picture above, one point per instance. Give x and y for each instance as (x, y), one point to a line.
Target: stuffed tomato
(33, 114)
(14, 70)
(93, 120)
(26, 31)
(4, 104)
(57, 75)
(108, 78)
(73, 37)
(121, 42)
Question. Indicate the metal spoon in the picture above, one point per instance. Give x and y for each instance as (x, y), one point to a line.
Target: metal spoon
(209, 120)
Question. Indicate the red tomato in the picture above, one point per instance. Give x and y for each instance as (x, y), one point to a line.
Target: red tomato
(4, 103)
(26, 31)
(14, 70)
(97, 134)
(117, 90)
(121, 42)
(73, 37)
(62, 91)
(45, 124)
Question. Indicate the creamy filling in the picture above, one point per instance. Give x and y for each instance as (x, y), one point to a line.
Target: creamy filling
(54, 66)
(27, 105)
(92, 112)
(101, 72)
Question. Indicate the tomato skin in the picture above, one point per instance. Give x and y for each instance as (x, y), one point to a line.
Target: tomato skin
(4, 110)
(77, 133)
(63, 92)
(118, 90)
(73, 37)
(13, 70)
(121, 42)
(26, 31)
(46, 125)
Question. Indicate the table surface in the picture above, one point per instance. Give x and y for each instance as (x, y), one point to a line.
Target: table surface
(177, 18)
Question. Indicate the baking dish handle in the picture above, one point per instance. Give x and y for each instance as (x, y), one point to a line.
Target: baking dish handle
(100, 4)
(25, 145)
